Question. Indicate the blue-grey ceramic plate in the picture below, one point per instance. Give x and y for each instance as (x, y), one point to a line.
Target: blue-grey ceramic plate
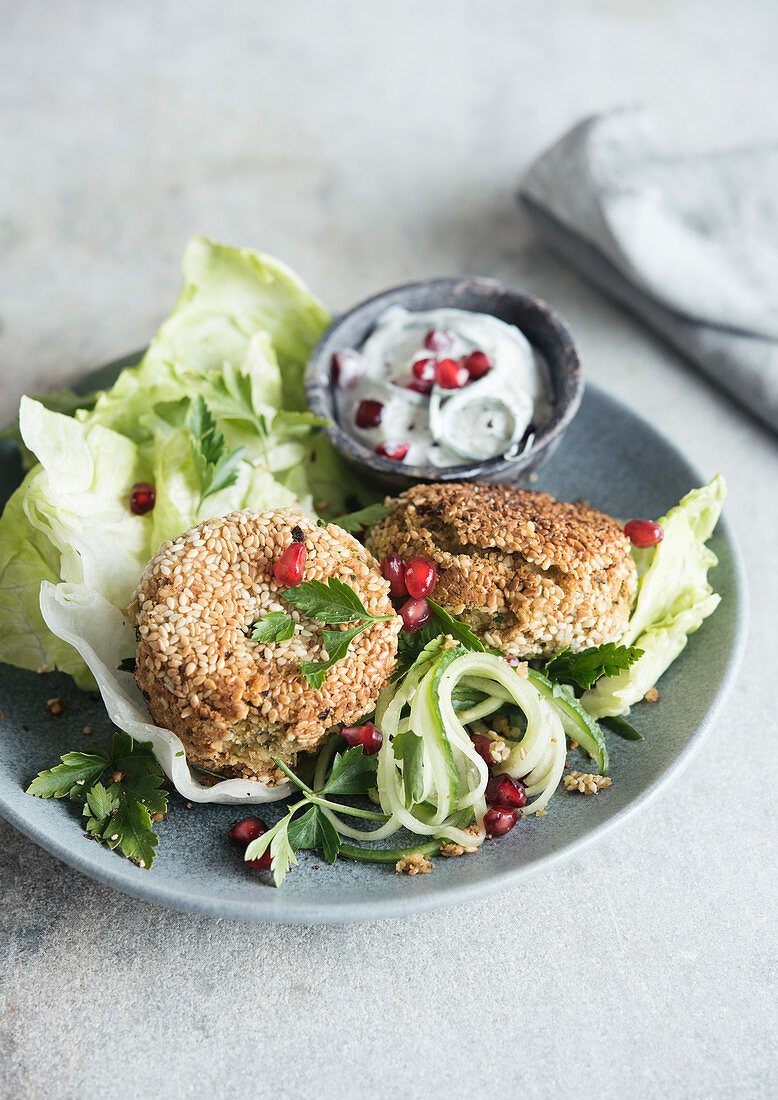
(611, 457)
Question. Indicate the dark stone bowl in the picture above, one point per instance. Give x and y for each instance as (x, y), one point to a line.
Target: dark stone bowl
(544, 329)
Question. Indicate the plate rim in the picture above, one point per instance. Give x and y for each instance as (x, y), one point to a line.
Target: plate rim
(136, 882)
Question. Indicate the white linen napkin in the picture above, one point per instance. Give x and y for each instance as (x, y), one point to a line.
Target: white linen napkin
(687, 243)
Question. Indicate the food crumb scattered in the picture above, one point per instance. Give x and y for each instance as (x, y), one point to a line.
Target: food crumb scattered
(573, 744)
(413, 864)
(117, 777)
(651, 695)
(451, 849)
(42, 670)
(586, 782)
(158, 817)
(189, 805)
(533, 477)
(87, 730)
(56, 705)
(499, 751)
(542, 813)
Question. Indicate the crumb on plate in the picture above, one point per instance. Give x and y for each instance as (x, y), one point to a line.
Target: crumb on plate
(413, 864)
(586, 782)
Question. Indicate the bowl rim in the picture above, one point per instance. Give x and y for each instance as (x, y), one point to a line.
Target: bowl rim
(354, 451)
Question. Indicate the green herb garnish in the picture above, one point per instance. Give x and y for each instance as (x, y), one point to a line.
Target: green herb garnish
(274, 627)
(118, 815)
(427, 644)
(331, 602)
(215, 467)
(585, 668)
(365, 517)
(352, 773)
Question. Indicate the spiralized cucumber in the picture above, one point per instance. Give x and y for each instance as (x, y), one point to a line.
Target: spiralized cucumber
(538, 757)
(453, 774)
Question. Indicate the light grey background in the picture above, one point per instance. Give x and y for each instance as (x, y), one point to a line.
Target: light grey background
(366, 144)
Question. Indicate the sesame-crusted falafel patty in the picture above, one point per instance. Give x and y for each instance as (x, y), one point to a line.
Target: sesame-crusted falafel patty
(233, 702)
(530, 574)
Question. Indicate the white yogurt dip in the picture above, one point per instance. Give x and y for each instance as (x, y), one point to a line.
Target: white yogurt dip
(443, 387)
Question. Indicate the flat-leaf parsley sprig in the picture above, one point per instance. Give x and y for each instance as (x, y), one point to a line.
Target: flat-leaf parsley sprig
(118, 815)
(353, 773)
(583, 669)
(336, 603)
(215, 467)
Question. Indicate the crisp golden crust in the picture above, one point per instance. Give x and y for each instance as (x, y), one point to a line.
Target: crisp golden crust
(529, 573)
(233, 702)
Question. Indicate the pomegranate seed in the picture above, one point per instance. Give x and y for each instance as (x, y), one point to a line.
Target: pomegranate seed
(348, 366)
(415, 614)
(290, 567)
(420, 577)
(437, 340)
(142, 498)
(505, 793)
(393, 569)
(643, 533)
(419, 387)
(368, 736)
(451, 375)
(368, 414)
(477, 364)
(424, 370)
(498, 822)
(483, 746)
(396, 449)
(241, 835)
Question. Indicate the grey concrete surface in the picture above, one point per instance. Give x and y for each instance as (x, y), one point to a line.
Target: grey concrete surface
(365, 144)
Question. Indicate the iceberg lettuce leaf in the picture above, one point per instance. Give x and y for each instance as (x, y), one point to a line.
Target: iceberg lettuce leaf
(674, 598)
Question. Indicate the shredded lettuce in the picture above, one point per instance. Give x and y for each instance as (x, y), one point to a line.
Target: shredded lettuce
(674, 598)
(239, 337)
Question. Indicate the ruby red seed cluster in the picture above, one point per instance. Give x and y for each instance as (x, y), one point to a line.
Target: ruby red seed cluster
(414, 579)
(449, 374)
(504, 795)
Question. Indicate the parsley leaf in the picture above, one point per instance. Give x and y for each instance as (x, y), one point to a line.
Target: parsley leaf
(353, 772)
(72, 778)
(313, 829)
(274, 627)
(447, 624)
(585, 668)
(119, 815)
(281, 852)
(427, 643)
(215, 467)
(336, 643)
(331, 602)
(365, 517)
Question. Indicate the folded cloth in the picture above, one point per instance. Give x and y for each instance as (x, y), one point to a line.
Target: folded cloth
(688, 243)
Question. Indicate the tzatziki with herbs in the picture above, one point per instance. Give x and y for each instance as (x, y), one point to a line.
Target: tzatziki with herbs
(442, 387)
